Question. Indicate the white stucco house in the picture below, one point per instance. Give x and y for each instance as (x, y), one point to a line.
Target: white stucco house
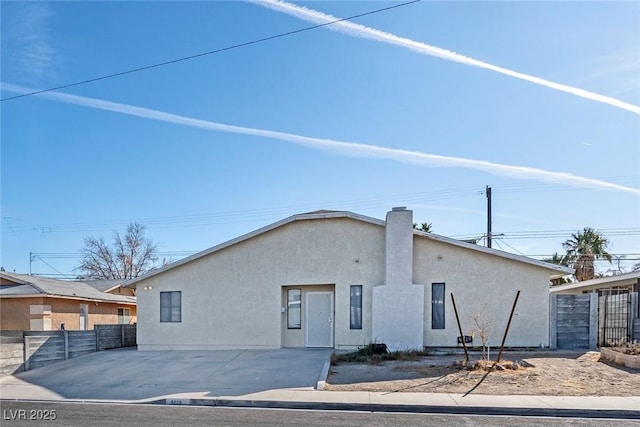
(341, 280)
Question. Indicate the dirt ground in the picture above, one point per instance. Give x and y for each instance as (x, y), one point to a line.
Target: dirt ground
(548, 373)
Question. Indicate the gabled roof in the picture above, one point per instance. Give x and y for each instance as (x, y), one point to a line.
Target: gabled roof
(600, 282)
(558, 270)
(104, 285)
(30, 286)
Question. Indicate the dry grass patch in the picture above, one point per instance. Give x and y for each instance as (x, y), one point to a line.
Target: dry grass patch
(376, 354)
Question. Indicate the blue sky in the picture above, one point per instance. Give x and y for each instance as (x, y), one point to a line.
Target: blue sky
(332, 118)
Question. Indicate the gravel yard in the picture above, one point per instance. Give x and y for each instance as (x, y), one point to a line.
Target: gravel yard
(548, 373)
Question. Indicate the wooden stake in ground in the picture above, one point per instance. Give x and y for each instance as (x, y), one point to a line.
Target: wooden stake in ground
(506, 331)
(464, 345)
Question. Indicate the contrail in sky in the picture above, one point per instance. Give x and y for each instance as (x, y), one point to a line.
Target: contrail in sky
(342, 147)
(357, 30)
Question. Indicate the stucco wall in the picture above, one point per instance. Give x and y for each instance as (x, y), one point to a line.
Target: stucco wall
(233, 297)
(15, 313)
(482, 282)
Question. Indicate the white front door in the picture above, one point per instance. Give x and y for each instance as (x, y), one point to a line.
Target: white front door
(84, 308)
(319, 319)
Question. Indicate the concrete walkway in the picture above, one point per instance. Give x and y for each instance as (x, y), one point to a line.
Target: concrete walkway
(284, 378)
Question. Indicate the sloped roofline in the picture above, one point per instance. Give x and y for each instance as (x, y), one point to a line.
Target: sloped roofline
(259, 231)
(560, 270)
(115, 284)
(597, 281)
(25, 280)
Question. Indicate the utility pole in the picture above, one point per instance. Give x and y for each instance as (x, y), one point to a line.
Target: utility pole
(488, 191)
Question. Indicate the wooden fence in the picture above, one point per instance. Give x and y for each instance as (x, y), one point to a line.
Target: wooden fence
(115, 336)
(44, 347)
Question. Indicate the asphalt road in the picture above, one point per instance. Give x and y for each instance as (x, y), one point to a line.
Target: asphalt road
(16, 413)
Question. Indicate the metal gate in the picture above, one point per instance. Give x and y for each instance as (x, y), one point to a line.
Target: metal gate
(573, 321)
(614, 319)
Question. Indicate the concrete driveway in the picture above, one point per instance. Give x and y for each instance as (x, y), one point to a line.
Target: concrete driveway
(128, 374)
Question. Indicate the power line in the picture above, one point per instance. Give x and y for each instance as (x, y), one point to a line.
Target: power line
(34, 257)
(508, 245)
(550, 234)
(226, 217)
(211, 52)
(262, 214)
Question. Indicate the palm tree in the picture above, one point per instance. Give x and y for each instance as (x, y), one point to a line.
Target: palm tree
(425, 226)
(583, 248)
(558, 260)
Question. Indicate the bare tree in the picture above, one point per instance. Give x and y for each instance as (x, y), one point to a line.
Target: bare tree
(484, 325)
(130, 255)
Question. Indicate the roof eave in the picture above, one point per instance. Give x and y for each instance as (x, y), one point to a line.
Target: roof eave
(298, 217)
(597, 282)
(558, 270)
(75, 298)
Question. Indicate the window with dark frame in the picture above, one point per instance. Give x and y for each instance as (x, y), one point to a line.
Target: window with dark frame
(294, 309)
(437, 306)
(124, 316)
(355, 305)
(171, 306)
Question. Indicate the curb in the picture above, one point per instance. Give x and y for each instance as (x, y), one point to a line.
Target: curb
(628, 414)
(421, 409)
(322, 381)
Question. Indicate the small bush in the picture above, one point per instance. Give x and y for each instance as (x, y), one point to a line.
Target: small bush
(371, 353)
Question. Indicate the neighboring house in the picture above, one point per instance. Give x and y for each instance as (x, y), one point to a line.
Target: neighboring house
(610, 285)
(617, 309)
(110, 286)
(342, 280)
(613, 303)
(43, 304)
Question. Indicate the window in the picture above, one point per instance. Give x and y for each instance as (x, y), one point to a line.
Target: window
(355, 305)
(294, 301)
(437, 306)
(124, 316)
(171, 306)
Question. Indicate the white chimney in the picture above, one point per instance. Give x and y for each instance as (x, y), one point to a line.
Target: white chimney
(399, 247)
(397, 312)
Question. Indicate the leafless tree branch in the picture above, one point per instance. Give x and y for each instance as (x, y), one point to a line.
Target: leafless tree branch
(130, 256)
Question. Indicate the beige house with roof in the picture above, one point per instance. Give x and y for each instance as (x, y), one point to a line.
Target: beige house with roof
(32, 303)
(608, 285)
(340, 280)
